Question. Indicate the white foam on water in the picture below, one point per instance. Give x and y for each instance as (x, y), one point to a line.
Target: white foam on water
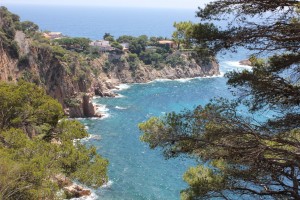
(214, 76)
(101, 108)
(93, 196)
(107, 185)
(96, 97)
(122, 87)
(120, 96)
(160, 80)
(104, 116)
(90, 118)
(184, 80)
(91, 137)
(120, 108)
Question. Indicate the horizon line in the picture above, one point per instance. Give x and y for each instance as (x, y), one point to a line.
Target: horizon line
(96, 5)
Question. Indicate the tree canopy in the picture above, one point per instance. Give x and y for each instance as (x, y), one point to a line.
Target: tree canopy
(242, 155)
(37, 144)
(183, 33)
(77, 44)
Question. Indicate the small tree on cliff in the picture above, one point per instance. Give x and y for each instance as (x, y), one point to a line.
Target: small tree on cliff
(182, 34)
(242, 154)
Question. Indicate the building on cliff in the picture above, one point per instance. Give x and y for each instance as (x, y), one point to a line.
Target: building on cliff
(53, 35)
(169, 43)
(102, 45)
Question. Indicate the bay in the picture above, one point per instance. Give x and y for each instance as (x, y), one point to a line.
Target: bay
(135, 171)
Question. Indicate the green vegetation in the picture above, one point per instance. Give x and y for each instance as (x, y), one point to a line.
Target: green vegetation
(108, 37)
(183, 34)
(75, 44)
(242, 154)
(29, 27)
(117, 45)
(150, 52)
(9, 25)
(133, 61)
(36, 144)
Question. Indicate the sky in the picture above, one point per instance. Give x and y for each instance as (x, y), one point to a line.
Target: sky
(184, 4)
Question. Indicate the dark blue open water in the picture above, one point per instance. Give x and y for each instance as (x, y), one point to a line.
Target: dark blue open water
(135, 172)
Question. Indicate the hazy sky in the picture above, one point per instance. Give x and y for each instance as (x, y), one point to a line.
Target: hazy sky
(192, 4)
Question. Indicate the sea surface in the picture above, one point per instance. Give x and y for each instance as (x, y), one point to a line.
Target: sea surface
(93, 22)
(135, 171)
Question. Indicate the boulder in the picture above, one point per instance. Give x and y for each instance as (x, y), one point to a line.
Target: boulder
(76, 191)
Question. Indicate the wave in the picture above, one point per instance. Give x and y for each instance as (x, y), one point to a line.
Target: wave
(122, 87)
(91, 137)
(104, 116)
(160, 80)
(119, 96)
(107, 185)
(120, 108)
(102, 110)
(96, 97)
(184, 80)
(93, 196)
(214, 76)
(85, 118)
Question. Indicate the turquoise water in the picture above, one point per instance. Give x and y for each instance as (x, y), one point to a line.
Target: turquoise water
(135, 171)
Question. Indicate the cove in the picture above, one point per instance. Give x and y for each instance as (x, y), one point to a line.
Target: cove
(135, 171)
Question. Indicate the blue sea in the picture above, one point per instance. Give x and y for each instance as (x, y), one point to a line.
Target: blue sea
(135, 171)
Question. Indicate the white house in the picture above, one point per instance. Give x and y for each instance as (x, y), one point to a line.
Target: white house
(125, 46)
(103, 45)
(53, 35)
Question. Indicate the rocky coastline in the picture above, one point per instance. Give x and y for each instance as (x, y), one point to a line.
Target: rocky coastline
(74, 86)
(74, 78)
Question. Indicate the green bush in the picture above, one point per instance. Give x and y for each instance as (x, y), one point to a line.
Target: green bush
(23, 62)
(175, 60)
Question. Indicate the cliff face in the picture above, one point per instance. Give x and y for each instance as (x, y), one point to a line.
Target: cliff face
(121, 72)
(39, 65)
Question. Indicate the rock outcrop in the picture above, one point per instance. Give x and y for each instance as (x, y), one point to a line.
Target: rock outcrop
(71, 189)
(122, 73)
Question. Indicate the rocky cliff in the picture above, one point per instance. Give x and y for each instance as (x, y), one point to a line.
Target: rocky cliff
(121, 71)
(73, 78)
(73, 85)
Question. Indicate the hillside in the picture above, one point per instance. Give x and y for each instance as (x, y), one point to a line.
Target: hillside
(72, 77)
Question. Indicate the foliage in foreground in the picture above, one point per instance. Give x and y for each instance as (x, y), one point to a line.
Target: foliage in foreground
(242, 153)
(36, 144)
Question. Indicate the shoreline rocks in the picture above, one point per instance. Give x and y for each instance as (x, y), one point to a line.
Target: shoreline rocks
(71, 189)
